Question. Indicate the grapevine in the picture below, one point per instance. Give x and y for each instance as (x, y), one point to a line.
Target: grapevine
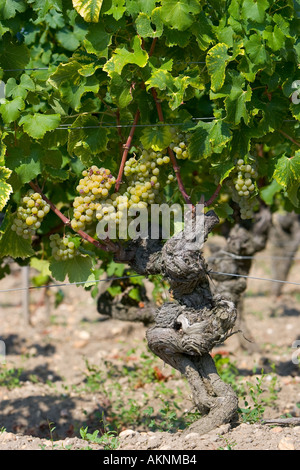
(29, 215)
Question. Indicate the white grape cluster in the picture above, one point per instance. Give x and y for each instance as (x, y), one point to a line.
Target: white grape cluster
(30, 215)
(244, 188)
(63, 248)
(179, 145)
(93, 187)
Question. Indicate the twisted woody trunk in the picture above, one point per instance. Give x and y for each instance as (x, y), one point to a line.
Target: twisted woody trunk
(186, 330)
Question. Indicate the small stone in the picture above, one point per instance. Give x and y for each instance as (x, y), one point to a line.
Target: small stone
(286, 444)
(192, 435)
(276, 430)
(7, 436)
(127, 433)
(84, 335)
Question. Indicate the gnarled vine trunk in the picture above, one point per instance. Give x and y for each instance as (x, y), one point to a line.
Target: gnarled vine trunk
(284, 241)
(186, 330)
(244, 240)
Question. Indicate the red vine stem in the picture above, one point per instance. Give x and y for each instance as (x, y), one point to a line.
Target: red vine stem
(176, 168)
(214, 196)
(289, 137)
(126, 147)
(109, 246)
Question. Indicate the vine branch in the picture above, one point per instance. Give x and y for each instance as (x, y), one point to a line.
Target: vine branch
(126, 147)
(176, 168)
(108, 246)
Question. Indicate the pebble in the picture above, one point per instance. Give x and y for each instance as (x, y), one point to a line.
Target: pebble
(7, 436)
(276, 430)
(286, 444)
(192, 435)
(127, 433)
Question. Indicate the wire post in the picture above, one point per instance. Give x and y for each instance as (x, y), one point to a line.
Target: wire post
(26, 299)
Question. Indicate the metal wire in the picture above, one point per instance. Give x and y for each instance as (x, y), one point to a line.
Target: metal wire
(70, 283)
(140, 275)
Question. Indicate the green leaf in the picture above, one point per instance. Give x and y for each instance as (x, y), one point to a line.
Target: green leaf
(254, 10)
(255, 49)
(122, 57)
(71, 85)
(179, 14)
(117, 9)
(26, 163)
(203, 31)
(14, 90)
(287, 173)
(222, 169)
(274, 37)
(9, 8)
(87, 138)
(267, 193)
(216, 61)
(5, 188)
(88, 9)
(77, 269)
(40, 265)
(13, 55)
(235, 102)
(209, 138)
(11, 110)
(157, 138)
(12, 244)
(36, 125)
(97, 40)
(145, 25)
(120, 91)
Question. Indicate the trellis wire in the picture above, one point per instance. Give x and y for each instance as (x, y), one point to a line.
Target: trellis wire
(141, 275)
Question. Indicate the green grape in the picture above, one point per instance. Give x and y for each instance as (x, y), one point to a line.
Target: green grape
(63, 248)
(243, 188)
(30, 214)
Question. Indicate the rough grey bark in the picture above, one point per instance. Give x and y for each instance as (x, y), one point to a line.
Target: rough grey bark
(284, 241)
(244, 239)
(187, 329)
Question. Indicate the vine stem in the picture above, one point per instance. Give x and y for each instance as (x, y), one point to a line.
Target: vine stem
(108, 246)
(126, 147)
(176, 168)
(214, 196)
(289, 137)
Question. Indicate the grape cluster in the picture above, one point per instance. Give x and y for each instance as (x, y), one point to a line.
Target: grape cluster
(30, 215)
(244, 188)
(179, 145)
(93, 187)
(63, 248)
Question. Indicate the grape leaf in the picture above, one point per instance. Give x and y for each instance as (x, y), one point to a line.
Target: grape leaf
(209, 138)
(255, 10)
(122, 57)
(77, 269)
(13, 55)
(179, 14)
(12, 244)
(287, 173)
(11, 110)
(87, 138)
(97, 40)
(5, 188)
(216, 61)
(9, 8)
(26, 163)
(145, 25)
(117, 9)
(88, 9)
(157, 138)
(36, 125)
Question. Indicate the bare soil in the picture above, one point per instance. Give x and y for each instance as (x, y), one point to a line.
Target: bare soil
(72, 369)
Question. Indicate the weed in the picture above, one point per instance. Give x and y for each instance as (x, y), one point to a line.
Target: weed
(10, 378)
(229, 445)
(253, 414)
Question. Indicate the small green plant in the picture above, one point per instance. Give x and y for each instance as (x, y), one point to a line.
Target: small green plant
(10, 378)
(253, 414)
(108, 439)
(229, 445)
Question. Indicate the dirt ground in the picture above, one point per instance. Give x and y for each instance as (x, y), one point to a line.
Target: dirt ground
(74, 379)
